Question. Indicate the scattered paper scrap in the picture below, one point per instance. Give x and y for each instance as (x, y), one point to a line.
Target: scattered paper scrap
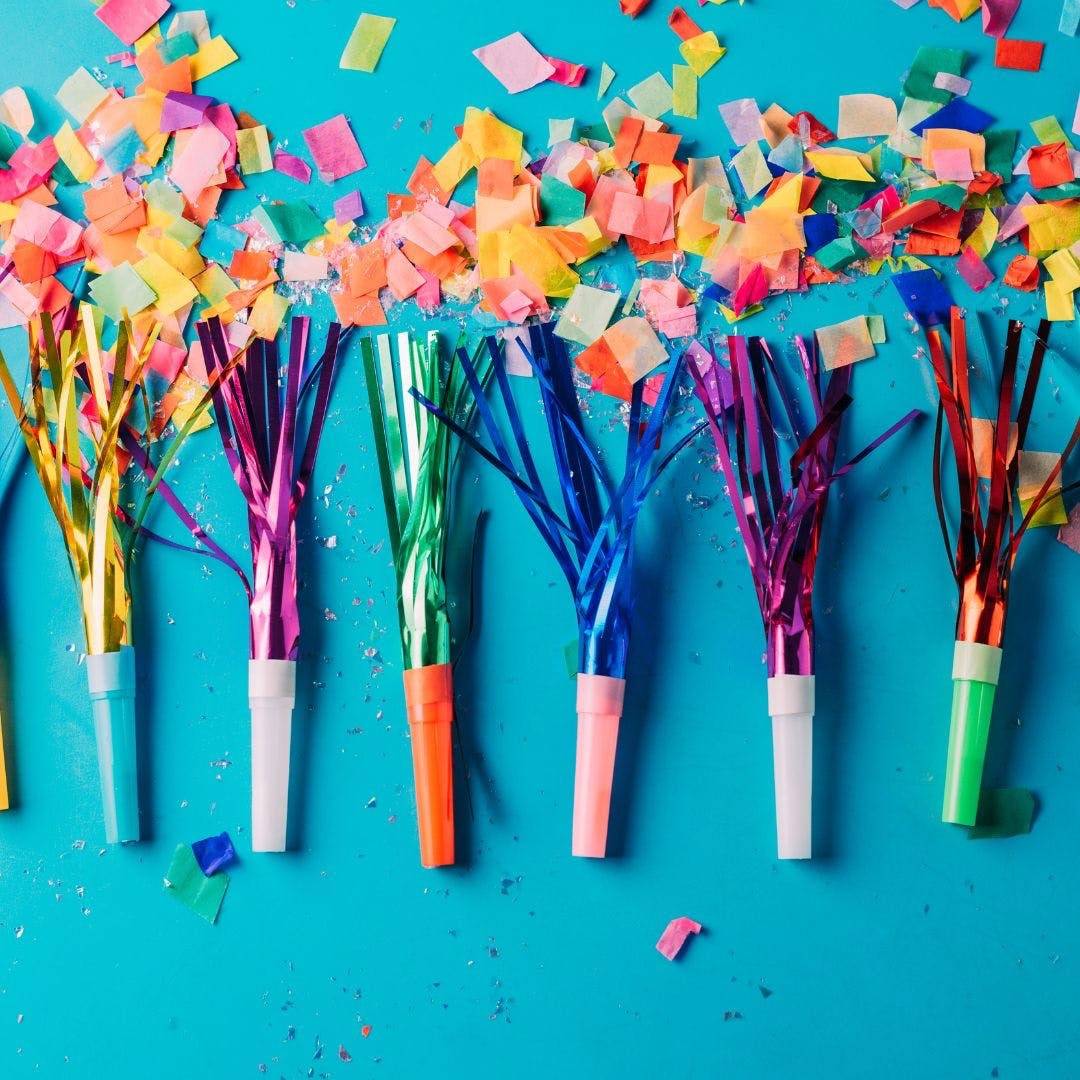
(743, 120)
(15, 110)
(1018, 55)
(1069, 533)
(1035, 468)
(348, 208)
(845, 342)
(865, 115)
(607, 74)
(130, 19)
(186, 882)
(515, 63)
(955, 84)
(367, 42)
(1069, 22)
(334, 148)
(80, 94)
(653, 96)
(214, 853)
(586, 314)
(674, 936)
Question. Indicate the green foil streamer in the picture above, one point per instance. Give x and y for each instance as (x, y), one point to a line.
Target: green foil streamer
(416, 456)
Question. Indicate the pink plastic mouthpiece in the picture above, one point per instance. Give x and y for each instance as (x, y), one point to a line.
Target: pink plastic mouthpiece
(599, 709)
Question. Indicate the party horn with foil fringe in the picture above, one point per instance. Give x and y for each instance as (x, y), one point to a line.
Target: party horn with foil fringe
(592, 543)
(88, 406)
(259, 422)
(780, 512)
(415, 455)
(993, 518)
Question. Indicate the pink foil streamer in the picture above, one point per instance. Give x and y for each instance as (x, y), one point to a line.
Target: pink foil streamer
(779, 511)
(259, 432)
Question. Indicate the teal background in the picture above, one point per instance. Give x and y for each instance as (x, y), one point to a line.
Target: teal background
(902, 950)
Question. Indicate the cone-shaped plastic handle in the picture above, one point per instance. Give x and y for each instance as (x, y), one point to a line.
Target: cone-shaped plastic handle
(429, 700)
(111, 678)
(791, 706)
(599, 709)
(271, 695)
(975, 674)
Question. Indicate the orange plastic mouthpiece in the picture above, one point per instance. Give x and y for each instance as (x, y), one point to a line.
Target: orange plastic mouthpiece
(429, 699)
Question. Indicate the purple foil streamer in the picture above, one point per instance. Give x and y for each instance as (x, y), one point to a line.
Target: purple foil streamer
(779, 517)
(259, 431)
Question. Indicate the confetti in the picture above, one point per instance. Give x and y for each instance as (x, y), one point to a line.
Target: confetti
(185, 881)
(674, 936)
(845, 342)
(214, 853)
(366, 43)
(334, 149)
(515, 63)
(1018, 55)
(130, 19)
(863, 115)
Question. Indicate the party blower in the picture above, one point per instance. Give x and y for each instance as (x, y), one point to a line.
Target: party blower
(415, 456)
(592, 543)
(260, 422)
(780, 513)
(992, 521)
(89, 408)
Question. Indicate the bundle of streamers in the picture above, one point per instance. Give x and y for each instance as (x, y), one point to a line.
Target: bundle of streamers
(415, 455)
(997, 505)
(260, 421)
(780, 513)
(88, 414)
(592, 542)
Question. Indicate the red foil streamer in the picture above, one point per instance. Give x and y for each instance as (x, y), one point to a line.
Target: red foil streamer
(987, 534)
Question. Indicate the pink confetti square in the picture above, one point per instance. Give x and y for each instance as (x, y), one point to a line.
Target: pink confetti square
(514, 62)
(334, 148)
(130, 19)
(953, 165)
(675, 934)
(973, 270)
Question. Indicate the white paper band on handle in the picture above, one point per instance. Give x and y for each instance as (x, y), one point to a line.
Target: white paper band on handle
(791, 706)
(978, 662)
(790, 694)
(271, 695)
(111, 680)
(271, 679)
(111, 674)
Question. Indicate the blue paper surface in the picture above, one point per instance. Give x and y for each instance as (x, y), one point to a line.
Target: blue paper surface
(523, 961)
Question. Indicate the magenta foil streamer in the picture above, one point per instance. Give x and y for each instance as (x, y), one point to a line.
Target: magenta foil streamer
(779, 512)
(260, 433)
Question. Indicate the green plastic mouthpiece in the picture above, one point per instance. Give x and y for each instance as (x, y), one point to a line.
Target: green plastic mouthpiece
(975, 675)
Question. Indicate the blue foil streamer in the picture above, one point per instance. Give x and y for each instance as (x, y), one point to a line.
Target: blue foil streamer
(592, 539)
